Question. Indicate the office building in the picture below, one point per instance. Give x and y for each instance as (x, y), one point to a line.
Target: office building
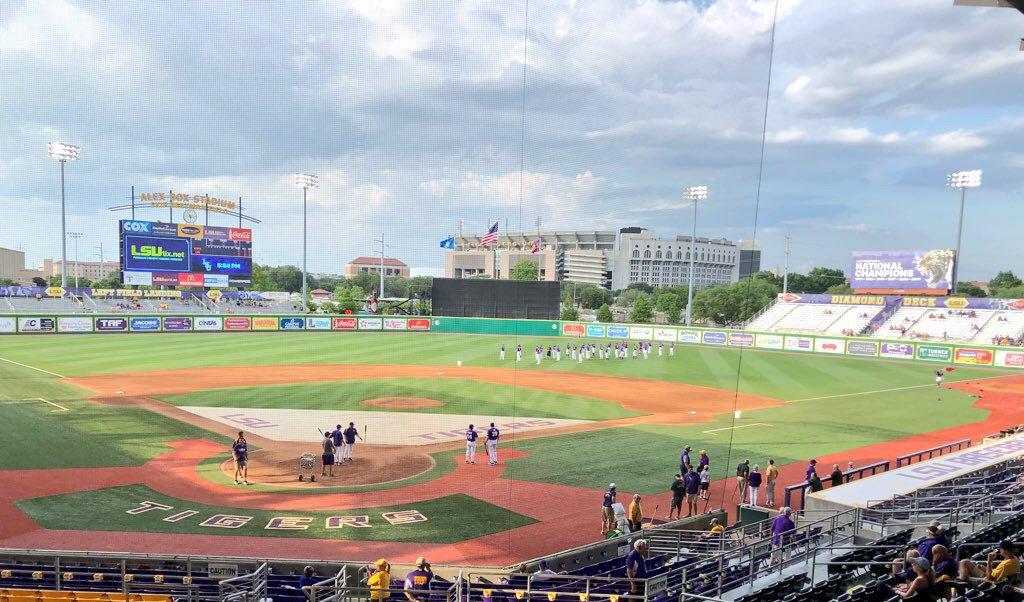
(750, 258)
(642, 257)
(371, 265)
(569, 255)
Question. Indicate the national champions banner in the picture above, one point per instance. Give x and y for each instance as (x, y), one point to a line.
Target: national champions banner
(903, 270)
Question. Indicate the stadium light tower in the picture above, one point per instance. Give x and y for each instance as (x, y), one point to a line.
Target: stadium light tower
(63, 153)
(76, 236)
(962, 180)
(693, 194)
(304, 181)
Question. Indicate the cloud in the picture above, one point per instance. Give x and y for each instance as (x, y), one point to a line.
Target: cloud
(956, 141)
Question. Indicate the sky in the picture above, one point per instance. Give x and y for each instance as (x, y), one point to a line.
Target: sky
(416, 115)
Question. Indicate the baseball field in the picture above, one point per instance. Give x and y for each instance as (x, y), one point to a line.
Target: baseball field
(123, 442)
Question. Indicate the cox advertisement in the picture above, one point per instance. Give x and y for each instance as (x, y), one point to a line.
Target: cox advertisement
(36, 324)
(903, 270)
(978, 357)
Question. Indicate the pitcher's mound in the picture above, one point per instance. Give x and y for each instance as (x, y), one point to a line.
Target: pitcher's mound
(401, 403)
(373, 465)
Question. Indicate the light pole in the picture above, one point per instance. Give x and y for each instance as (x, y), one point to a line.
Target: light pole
(693, 194)
(304, 181)
(63, 153)
(380, 294)
(962, 180)
(76, 236)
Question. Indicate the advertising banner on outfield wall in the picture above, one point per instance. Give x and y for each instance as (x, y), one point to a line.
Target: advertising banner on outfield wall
(111, 324)
(714, 337)
(768, 341)
(573, 330)
(291, 323)
(178, 323)
(978, 357)
(36, 324)
(370, 323)
(799, 344)
(237, 323)
(418, 324)
(897, 350)
(7, 324)
(318, 323)
(394, 324)
(741, 339)
(1009, 359)
(343, 323)
(934, 353)
(865, 348)
(209, 323)
(664, 334)
(74, 324)
(829, 345)
(618, 332)
(643, 333)
(595, 330)
(689, 336)
(264, 323)
(144, 324)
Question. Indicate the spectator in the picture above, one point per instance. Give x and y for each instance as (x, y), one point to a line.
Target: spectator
(782, 532)
(635, 514)
(684, 459)
(543, 571)
(815, 483)
(754, 484)
(715, 529)
(742, 472)
(934, 537)
(380, 581)
(771, 474)
(607, 512)
(923, 582)
(417, 582)
(306, 581)
(703, 461)
(902, 568)
(692, 487)
(943, 564)
(705, 482)
(678, 489)
(837, 476)
(811, 470)
(636, 564)
(1008, 567)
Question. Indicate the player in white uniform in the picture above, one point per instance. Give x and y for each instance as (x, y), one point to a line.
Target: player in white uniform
(492, 445)
(671, 349)
(519, 353)
(501, 353)
(471, 436)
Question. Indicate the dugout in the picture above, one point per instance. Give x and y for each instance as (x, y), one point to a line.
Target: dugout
(517, 299)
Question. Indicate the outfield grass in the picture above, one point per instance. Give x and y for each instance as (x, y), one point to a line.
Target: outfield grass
(457, 396)
(451, 518)
(798, 432)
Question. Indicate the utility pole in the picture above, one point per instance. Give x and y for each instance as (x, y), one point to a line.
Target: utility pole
(76, 236)
(785, 270)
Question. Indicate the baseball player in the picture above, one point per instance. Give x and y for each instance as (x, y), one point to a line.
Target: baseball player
(492, 445)
(608, 351)
(471, 436)
(328, 455)
(939, 374)
(671, 349)
(538, 353)
(519, 353)
(661, 349)
(558, 353)
(350, 440)
(501, 353)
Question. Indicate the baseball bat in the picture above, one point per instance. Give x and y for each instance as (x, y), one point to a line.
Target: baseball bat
(366, 433)
(651, 522)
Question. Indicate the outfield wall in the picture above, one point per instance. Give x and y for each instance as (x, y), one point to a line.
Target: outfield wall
(925, 351)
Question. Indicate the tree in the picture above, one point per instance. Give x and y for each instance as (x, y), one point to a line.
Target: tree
(820, 279)
(286, 278)
(111, 280)
(260, 280)
(7, 282)
(627, 297)
(769, 278)
(673, 315)
(1013, 292)
(604, 313)
(735, 303)
(839, 289)
(1005, 279)
(593, 297)
(36, 280)
(642, 310)
(666, 302)
(525, 270)
(569, 313)
(349, 297)
(641, 286)
(969, 289)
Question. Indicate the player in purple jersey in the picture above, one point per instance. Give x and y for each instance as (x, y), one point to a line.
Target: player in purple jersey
(240, 452)
(492, 445)
(349, 441)
(471, 437)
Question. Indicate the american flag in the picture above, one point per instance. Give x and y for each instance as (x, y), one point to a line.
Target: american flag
(535, 246)
(491, 237)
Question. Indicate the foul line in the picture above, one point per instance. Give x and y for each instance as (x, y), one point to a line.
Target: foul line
(59, 407)
(952, 382)
(729, 428)
(4, 359)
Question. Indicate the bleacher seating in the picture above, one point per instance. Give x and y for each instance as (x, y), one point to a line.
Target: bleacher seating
(770, 317)
(46, 305)
(1005, 327)
(899, 322)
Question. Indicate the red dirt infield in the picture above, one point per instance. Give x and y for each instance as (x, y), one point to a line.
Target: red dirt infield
(566, 516)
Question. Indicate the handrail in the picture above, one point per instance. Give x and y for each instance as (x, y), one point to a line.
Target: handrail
(848, 476)
(940, 449)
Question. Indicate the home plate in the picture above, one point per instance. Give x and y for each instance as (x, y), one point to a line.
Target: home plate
(390, 428)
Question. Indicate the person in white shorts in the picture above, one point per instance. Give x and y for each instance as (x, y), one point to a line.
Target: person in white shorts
(493, 434)
(471, 436)
(501, 353)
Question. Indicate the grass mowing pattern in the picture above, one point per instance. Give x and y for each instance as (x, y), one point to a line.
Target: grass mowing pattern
(451, 518)
(799, 432)
(457, 397)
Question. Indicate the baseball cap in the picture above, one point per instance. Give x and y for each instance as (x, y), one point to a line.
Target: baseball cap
(380, 563)
(1007, 545)
(611, 486)
(421, 561)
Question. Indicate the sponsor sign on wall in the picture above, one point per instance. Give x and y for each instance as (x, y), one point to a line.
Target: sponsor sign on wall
(144, 324)
(664, 334)
(111, 324)
(768, 341)
(1010, 359)
(714, 337)
(139, 278)
(178, 323)
(209, 323)
(798, 344)
(618, 332)
(418, 323)
(641, 332)
(318, 323)
(239, 323)
(292, 323)
(979, 357)
(934, 353)
(394, 324)
(869, 348)
(370, 323)
(573, 330)
(7, 324)
(595, 330)
(74, 324)
(263, 323)
(829, 345)
(689, 336)
(903, 270)
(345, 323)
(36, 324)
(902, 350)
(741, 339)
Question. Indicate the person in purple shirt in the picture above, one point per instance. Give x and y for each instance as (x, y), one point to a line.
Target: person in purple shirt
(692, 482)
(240, 452)
(703, 461)
(935, 537)
(471, 437)
(811, 471)
(636, 564)
(684, 459)
(607, 512)
(943, 564)
(350, 435)
(782, 532)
